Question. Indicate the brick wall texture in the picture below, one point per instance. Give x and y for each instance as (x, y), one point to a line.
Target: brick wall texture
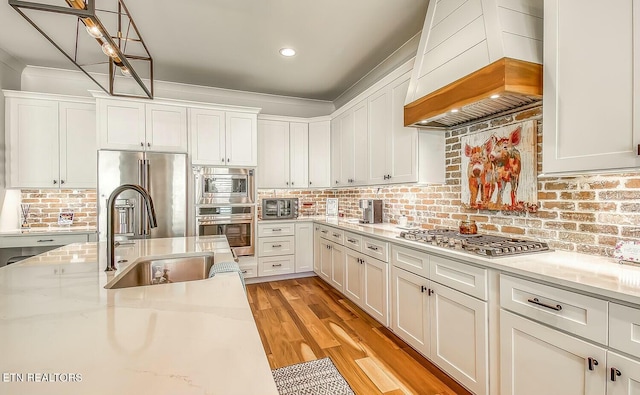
(46, 204)
(588, 213)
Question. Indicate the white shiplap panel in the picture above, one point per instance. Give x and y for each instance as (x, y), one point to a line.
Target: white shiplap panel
(523, 48)
(521, 24)
(445, 8)
(531, 7)
(468, 37)
(455, 22)
(468, 62)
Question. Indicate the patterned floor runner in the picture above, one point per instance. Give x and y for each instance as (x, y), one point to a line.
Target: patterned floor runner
(319, 377)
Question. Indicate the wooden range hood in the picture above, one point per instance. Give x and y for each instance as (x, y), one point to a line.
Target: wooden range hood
(517, 83)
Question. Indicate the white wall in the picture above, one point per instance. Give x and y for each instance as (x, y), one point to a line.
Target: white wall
(10, 70)
(71, 82)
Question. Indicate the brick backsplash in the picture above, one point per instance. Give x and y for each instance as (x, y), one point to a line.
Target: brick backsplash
(587, 213)
(46, 204)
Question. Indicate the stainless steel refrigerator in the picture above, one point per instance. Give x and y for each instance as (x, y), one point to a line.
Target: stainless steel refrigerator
(163, 175)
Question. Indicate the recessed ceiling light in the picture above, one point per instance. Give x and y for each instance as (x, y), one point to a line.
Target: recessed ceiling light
(454, 110)
(494, 96)
(288, 52)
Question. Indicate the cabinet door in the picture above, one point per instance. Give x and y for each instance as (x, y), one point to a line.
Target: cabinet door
(242, 139)
(536, 359)
(207, 132)
(304, 247)
(353, 276)
(379, 136)
(320, 154)
(166, 128)
(325, 260)
(360, 144)
(459, 336)
(590, 103)
(347, 148)
(376, 289)
(299, 155)
(32, 146)
(410, 309)
(336, 152)
(273, 158)
(403, 146)
(337, 266)
(121, 125)
(628, 380)
(78, 145)
(316, 249)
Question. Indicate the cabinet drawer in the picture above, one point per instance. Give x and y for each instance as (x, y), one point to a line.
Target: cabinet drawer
(465, 278)
(353, 241)
(375, 248)
(272, 246)
(249, 271)
(277, 229)
(325, 232)
(410, 260)
(42, 240)
(624, 329)
(336, 235)
(576, 313)
(271, 266)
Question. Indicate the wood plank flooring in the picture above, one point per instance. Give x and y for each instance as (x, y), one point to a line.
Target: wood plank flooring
(306, 319)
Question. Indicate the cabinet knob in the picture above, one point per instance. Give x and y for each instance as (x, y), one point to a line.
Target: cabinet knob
(148, 144)
(291, 182)
(592, 362)
(423, 288)
(430, 292)
(615, 373)
(55, 182)
(286, 182)
(310, 183)
(336, 182)
(61, 181)
(228, 160)
(222, 160)
(141, 144)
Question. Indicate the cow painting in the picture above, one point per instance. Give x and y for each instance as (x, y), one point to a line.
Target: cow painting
(499, 168)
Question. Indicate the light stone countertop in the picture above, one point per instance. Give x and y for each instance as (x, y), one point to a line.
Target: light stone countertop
(196, 337)
(52, 230)
(597, 275)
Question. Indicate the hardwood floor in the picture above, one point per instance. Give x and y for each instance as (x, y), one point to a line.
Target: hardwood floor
(306, 319)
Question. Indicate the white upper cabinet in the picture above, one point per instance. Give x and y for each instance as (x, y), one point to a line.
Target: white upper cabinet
(319, 154)
(166, 128)
(349, 164)
(273, 144)
(207, 133)
(50, 141)
(591, 86)
(121, 124)
(299, 155)
(242, 139)
(379, 136)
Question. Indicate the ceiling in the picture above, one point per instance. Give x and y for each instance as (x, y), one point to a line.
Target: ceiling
(234, 43)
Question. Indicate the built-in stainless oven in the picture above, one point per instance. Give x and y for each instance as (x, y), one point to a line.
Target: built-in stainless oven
(235, 222)
(220, 185)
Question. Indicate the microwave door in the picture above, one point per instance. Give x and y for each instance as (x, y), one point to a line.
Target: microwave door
(271, 209)
(285, 208)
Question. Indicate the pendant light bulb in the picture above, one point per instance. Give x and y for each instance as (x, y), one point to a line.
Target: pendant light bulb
(94, 31)
(108, 50)
(124, 70)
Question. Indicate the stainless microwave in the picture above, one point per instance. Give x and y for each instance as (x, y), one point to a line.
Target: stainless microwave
(221, 185)
(277, 208)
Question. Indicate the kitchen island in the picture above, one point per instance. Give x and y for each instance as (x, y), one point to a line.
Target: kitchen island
(62, 332)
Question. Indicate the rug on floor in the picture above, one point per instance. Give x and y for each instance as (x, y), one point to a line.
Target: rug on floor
(319, 377)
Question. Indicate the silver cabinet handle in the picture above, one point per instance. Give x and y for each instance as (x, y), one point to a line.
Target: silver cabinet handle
(276, 230)
(276, 245)
(277, 265)
(536, 301)
(45, 241)
(374, 248)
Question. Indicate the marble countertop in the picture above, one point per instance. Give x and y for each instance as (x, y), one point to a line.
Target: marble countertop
(598, 275)
(52, 230)
(196, 337)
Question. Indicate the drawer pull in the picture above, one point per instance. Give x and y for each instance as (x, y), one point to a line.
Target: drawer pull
(336, 235)
(539, 303)
(351, 240)
(324, 231)
(374, 248)
(276, 245)
(615, 373)
(276, 230)
(244, 272)
(592, 363)
(277, 265)
(45, 241)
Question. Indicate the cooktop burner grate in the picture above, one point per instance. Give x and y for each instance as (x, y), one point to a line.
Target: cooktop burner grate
(487, 245)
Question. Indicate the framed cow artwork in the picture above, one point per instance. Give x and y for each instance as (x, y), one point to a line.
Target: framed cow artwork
(499, 168)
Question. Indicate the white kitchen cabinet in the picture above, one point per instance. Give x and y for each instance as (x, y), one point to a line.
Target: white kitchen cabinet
(241, 139)
(379, 136)
(349, 142)
(337, 266)
(304, 247)
(50, 141)
(410, 309)
(316, 250)
(403, 149)
(273, 157)
(591, 79)
(375, 291)
(354, 276)
(299, 155)
(325, 260)
(336, 152)
(459, 333)
(166, 128)
(623, 375)
(319, 154)
(207, 131)
(274, 265)
(536, 359)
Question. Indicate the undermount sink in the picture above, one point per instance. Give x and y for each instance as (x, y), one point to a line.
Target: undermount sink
(164, 271)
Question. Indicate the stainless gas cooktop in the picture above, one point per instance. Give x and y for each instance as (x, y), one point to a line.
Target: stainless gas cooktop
(485, 245)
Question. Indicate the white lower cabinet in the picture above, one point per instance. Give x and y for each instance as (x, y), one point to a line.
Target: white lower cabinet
(536, 359)
(623, 375)
(273, 265)
(410, 309)
(354, 274)
(304, 248)
(375, 293)
(337, 266)
(325, 260)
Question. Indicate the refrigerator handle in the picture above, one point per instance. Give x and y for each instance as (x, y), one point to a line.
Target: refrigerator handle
(146, 229)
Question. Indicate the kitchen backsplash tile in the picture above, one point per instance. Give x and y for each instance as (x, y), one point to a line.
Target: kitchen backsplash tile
(587, 213)
(47, 204)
